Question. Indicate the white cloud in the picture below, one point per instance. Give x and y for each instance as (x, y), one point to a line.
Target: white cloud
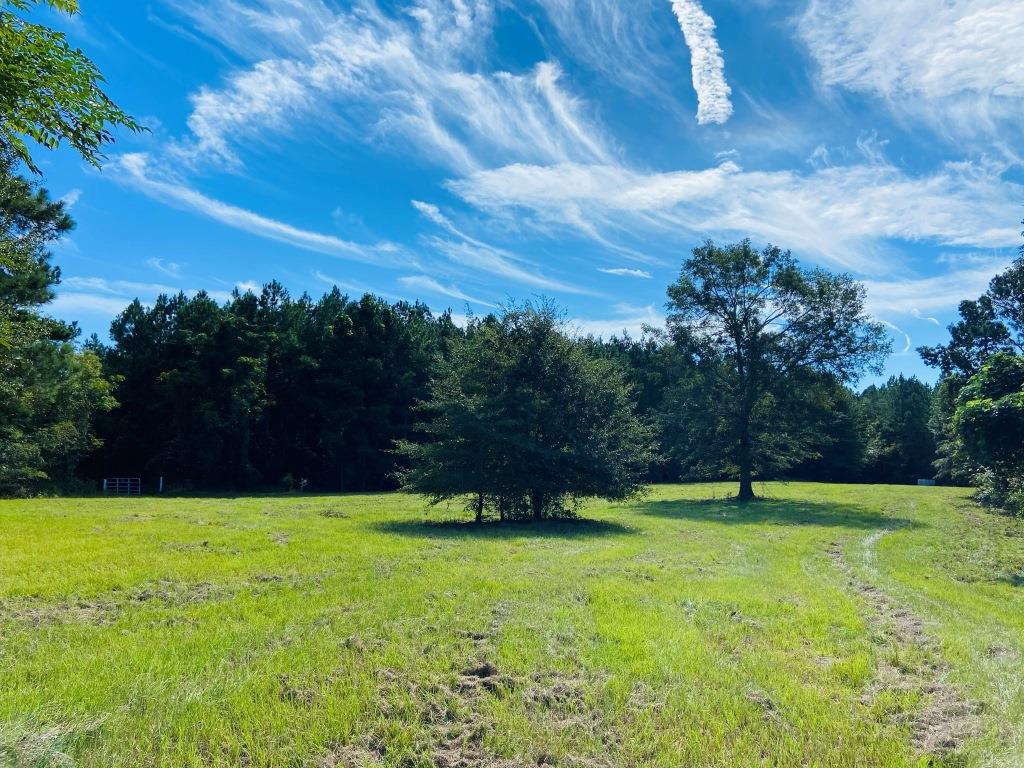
(75, 303)
(117, 287)
(249, 286)
(432, 212)
(921, 316)
(957, 63)
(414, 81)
(71, 197)
(135, 171)
(430, 285)
(470, 252)
(500, 263)
(99, 296)
(626, 319)
(820, 158)
(841, 215)
(914, 296)
(589, 29)
(907, 341)
(625, 272)
(169, 268)
(347, 286)
(713, 92)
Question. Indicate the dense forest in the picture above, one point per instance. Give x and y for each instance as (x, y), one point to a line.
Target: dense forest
(270, 391)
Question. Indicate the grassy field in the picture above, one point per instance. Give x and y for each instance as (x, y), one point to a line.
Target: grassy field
(824, 626)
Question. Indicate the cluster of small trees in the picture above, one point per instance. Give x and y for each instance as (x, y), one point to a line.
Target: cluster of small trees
(979, 403)
(50, 391)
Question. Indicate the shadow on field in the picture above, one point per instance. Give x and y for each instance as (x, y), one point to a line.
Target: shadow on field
(777, 511)
(1014, 579)
(581, 528)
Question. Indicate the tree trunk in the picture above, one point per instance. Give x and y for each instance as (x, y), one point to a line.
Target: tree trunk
(537, 503)
(479, 507)
(746, 484)
(746, 460)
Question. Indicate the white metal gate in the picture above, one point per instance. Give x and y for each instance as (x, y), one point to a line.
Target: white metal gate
(122, 486)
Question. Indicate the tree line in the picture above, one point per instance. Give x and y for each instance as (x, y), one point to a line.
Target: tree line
(272, 392)
(979, 403)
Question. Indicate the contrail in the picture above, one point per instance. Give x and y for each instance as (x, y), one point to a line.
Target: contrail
(713, 104)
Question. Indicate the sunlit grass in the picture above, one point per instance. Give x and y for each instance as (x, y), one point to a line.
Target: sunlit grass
(681, 629)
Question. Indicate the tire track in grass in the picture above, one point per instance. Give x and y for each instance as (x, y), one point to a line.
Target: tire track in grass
(946, 719)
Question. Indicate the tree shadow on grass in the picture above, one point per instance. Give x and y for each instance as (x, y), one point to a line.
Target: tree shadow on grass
(559, 528)
(775, 511)
(1013, 579)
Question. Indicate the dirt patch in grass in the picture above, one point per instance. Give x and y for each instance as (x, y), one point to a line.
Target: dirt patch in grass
(296, 694)
(178, 593)
(334, 513)
(34, 745)
(1002, 652)
(362, 754)
(453, 714)
(106, 609)
(38, 613)
(946, 719)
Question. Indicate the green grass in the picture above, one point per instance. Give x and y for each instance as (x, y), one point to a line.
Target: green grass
(673, 631)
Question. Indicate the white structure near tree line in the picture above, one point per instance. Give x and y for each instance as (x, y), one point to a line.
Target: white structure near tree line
(122, 486)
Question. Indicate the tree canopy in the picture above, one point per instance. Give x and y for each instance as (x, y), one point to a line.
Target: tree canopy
(49, 91)
(992, 323)
(267, 390)
(525, 419)
(50, 392)
(764, 334)
(977, 408)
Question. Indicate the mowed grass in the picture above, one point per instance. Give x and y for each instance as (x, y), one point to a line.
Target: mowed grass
(678, 630)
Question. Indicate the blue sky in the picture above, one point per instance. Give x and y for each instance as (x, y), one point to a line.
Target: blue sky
(465, 152)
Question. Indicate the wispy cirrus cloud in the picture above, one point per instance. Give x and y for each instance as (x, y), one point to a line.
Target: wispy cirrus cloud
(136, 170)
(430, 285)
(624, 319)
(472, 253)
(168, 268)
(79, 303)
(625, 272)
(916, 295)
(413, 76)
(116, 287)
(897, 331)
(590, 29)
(502, 264)
(841, 215)
(100, 297)
(955, 63)
(713, 92)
